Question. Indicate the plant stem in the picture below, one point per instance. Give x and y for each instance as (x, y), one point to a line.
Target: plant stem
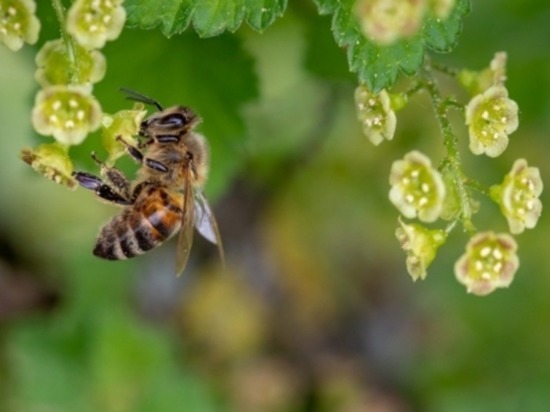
(451, 145)
(67, 39)
(449, 71)
(415, 88)
(474, 184)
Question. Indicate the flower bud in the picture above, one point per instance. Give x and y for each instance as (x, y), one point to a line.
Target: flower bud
(421, 246)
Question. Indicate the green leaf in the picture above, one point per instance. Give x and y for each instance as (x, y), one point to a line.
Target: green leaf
(209, 17)
(378, 66)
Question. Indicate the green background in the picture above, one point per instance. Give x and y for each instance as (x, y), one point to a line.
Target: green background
(315, 311)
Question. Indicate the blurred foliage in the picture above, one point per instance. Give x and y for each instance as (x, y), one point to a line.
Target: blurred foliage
(315, 311)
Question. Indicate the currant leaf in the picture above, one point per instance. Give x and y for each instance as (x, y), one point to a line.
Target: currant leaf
(378, 66)
(208, 17)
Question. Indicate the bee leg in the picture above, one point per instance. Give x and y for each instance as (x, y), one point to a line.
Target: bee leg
(137, 155)
(132, 151)
(116, 179)
(156, 165)
(101, 189)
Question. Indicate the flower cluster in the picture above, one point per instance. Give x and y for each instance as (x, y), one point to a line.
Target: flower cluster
(376, 115)
(418, 190)
(67, 69)
(384, 22)
(18, 23)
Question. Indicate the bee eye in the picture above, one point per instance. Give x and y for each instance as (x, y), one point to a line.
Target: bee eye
(175, 119)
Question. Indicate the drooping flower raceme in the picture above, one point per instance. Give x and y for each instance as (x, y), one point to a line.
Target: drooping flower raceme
(376, 115)
(386, 21)
(490, 262)
(93, 22)
(417, 189)
(18, 23)
(491, 117)
(421, 246)
(518, 196)
(68, 113)
(54, 66)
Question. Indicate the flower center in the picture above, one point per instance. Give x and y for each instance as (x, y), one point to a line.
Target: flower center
(415, 185)
(489, 262)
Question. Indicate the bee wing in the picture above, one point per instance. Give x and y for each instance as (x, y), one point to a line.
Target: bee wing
(185, 237)
(206, 224)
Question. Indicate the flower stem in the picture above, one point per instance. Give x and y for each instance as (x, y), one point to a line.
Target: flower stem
(449, 71)
(67, 39)
(451, 145)
(474, 184)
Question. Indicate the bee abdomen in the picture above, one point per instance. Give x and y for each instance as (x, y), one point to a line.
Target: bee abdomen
(132, 234)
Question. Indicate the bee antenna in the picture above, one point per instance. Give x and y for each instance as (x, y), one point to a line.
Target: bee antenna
(138, 97)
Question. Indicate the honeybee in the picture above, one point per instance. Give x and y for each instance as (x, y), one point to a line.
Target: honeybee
(166, 198)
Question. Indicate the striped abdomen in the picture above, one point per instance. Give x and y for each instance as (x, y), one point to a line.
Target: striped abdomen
(155, 217)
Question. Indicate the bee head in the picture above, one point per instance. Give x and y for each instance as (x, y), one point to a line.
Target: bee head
(173, 121)
(170, 123)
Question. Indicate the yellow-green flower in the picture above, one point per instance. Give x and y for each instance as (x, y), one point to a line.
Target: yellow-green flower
(93, 22)
(417, 189)
(386, 21)
(18, 23)
(376, 115)
(491, 117)
(68, 113)
(124, 123)
(55, 67)
(518, 196)
(52, 161)
(421, 246)
(490, 262)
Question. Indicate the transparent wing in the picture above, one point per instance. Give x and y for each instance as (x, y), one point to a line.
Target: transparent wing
(206, 224)
(185, 237)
